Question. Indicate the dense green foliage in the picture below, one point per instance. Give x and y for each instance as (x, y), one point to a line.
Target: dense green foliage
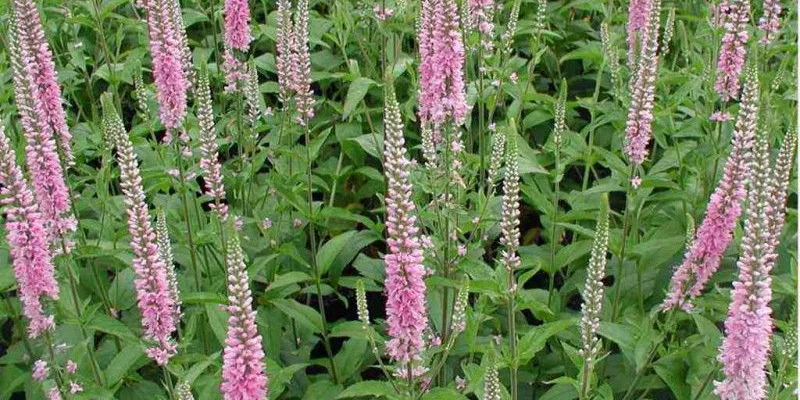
(101, 46)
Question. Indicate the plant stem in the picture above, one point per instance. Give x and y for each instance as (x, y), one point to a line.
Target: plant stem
(314, 265)
(621, 261)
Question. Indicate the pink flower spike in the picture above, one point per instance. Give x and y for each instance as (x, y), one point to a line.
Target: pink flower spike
(442, 94)
(406, 313)
(723, 210)
(153, 296)
(42, 70)
(169, 57)
(237, 28)
(47, 174)
(770, 22)
(40, 370)
(31, 258)
(243, 370)
(732, 52)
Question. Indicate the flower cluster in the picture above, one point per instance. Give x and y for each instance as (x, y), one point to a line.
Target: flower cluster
(509, 222)
(732, 52)
(40, 66)
(209, 163)
(165, 252)
(593, 291)
(169, 60)
(639, 127)
(481, 17)
(153, 294)
(770, 22)
(293, 60)
(44, 165)
(406, 313)
(237, 29)
(243, 370)
(744, 352)
(442, 94)
(27, 239)
(724, 208)
(639, 14)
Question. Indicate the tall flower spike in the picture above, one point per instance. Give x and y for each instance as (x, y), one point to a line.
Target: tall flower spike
(593, 290)
(301, 62)
(509, 222)
(165, 252)
(442, 94)
(168, 61)
(639, 13)
(243, 370)
(361, 304)
(283, 46)
(27, 240)
(511, 28)
(770, 22)
(209, 162)
(406, 313)
(610, 52)
(184, 391)
(252, 96)
(153, 296)
(491, 383)
(716, 231)
(496, 159)
(480, 17)
(744, 352)
(779, 185)
(40, 66)
(176, 15)
(47, 175)
(237, 29)
(639, 127)
(732, 51)
(459, 323)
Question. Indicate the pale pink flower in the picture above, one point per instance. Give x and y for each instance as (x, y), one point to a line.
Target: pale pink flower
(237, 28)
(40, 370)
(155, 302)
(638, 129)
(75, 387)
(169, 71)
(481, 18)
(732, 52)
(266, 223)
(54, 394)
(71, 367)
(639, 14)
(301, 65)
(720, 116)
(382, 13)
(47, 174)
(442, 94)
(42, 70)
(724, 208)
(636, 181)
(297, 222)
(243, 370)
(31, 258)
(770, 22)
(744, 352)
(406, 313)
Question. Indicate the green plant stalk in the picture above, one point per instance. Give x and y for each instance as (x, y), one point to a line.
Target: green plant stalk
(586, 372)
(314, 265)
(621, 262)
(79, 313)
(708, 379)
(168, 382)
(106, 52)
(554, 234)
(186, 217)
(590, 146)
(512, 333)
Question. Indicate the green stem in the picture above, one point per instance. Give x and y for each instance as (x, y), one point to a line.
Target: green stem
(314, 265)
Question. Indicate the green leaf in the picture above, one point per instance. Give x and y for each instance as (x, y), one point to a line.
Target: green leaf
(203, 297)
(534, 340)
(327, 254)
(303, 314)
(441, 393)
(672, 370)
(349, 359)
(217, 320)
(287, 279)
(379, 389)
(122, 363)
(355, 93)
(111, 326)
